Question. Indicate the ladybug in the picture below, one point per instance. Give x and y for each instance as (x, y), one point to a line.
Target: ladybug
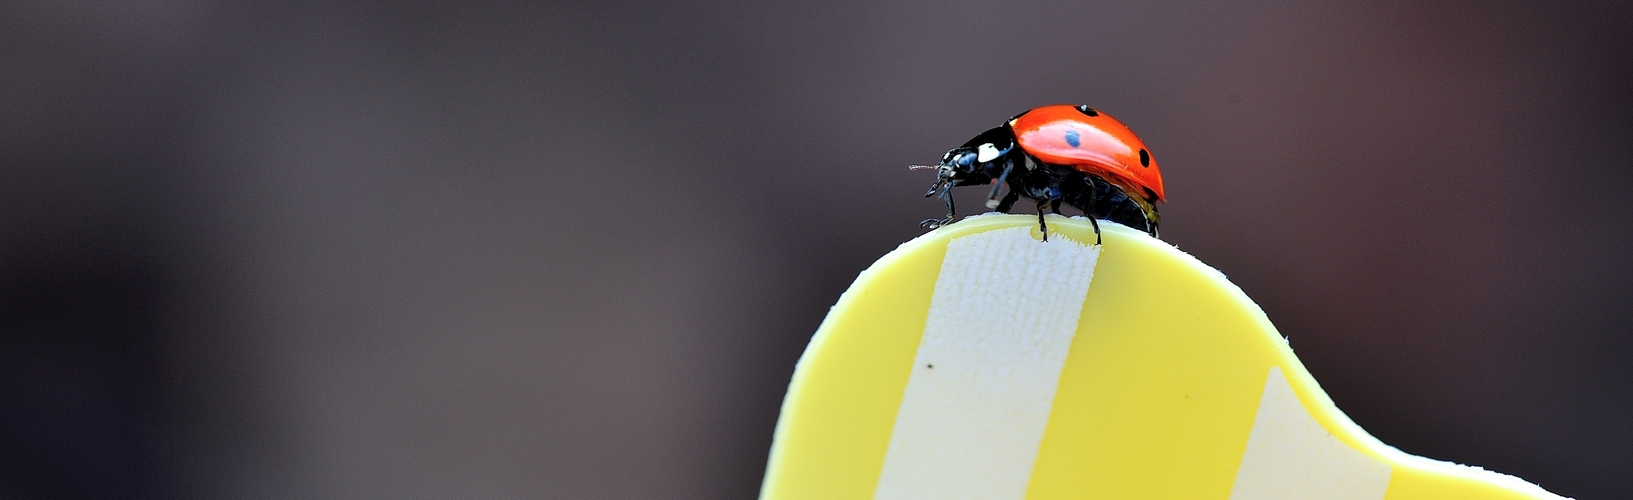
(1057, 154)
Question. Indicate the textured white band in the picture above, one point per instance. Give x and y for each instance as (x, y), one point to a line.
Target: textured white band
(1290, 456)
(1001, 322)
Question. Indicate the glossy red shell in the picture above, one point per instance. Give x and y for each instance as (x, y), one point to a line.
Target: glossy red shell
(1099, 145)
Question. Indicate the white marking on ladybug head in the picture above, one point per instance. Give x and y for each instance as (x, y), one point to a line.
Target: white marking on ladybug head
(985, 153)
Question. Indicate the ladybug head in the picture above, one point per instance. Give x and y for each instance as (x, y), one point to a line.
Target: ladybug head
(977, 162)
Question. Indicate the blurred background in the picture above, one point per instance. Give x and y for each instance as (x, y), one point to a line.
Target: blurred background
(555, 250)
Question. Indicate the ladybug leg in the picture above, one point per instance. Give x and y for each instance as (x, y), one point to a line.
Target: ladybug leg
(1090, 214)
(1043, 226)
(1096, 229)
(1008, 202)
(992, 198)
(946, 194)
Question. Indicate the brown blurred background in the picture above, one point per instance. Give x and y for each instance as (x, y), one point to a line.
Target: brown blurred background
(412, 250)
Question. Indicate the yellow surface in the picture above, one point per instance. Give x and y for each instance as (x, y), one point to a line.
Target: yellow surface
(1156, 400)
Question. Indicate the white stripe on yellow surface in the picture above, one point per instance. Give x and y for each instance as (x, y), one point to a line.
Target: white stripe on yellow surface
(1001, 320)
(1291, 456)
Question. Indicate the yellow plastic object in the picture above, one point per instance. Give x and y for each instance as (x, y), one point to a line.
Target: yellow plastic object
(1171, 373)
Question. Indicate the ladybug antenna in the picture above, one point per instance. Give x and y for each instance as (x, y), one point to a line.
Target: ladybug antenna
(922, 167)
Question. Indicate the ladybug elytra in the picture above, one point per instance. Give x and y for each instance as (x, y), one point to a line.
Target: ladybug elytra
(1053, 155)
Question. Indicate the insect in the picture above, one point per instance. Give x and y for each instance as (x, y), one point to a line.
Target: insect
(1053, 155)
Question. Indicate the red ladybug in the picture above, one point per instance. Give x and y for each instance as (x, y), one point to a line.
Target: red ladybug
(1058, 154)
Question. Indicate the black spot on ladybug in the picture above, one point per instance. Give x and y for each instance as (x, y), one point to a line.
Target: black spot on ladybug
(1073, 138)
(1145, 158)
(1087, 110)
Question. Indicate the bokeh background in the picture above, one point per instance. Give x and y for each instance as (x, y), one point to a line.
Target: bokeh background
(554, 250)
